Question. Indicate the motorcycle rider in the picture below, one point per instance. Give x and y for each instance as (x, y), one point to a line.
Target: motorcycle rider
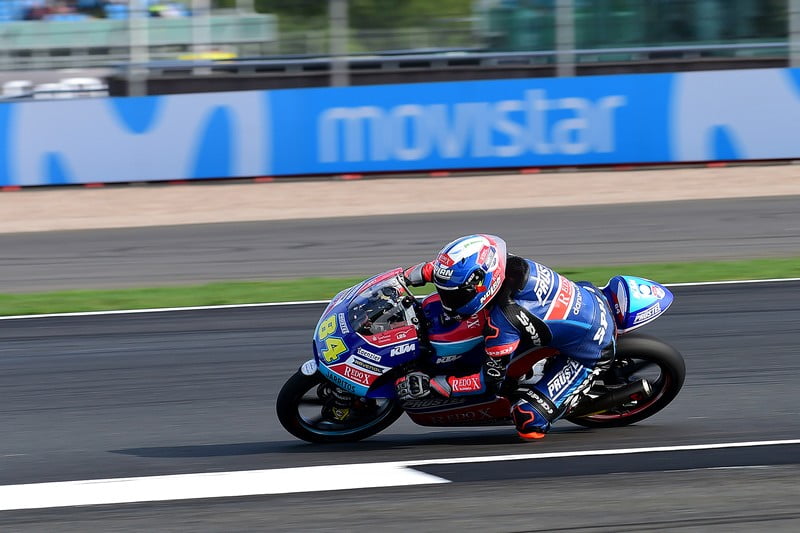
(527, 306)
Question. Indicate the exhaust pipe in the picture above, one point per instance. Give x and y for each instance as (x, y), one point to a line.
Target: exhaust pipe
(612, 399)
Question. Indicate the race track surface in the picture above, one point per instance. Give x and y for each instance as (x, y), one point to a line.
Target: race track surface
(356, 246)
(183, 392)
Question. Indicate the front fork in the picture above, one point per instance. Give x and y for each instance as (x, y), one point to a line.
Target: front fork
(337, 403)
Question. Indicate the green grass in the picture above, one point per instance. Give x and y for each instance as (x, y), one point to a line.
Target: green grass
(238, 292)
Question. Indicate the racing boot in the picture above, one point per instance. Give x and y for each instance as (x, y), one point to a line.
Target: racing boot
(531, 424)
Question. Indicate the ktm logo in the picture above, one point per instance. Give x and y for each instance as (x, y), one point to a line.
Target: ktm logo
(403, 348)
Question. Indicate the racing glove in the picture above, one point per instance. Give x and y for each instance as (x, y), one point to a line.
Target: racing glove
(413, 386)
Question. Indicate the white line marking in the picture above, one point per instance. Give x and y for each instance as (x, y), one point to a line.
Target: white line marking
(753, 467)
(730, 282)
(211, 485)
(280, 481)
(163, 310)
(316, 302)
(587, 453)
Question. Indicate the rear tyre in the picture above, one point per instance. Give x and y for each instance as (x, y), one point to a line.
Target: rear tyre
(303, 408)
(640, 356)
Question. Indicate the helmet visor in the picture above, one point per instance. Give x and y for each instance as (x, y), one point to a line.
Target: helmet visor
(453, 298)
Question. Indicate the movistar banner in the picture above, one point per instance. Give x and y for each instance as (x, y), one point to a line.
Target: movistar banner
(729, 115)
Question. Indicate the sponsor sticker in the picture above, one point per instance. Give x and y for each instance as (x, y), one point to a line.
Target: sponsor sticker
(559, 383)
(466, 384)
(393, 336)
(487, 259)
(493, 289)
(465, 248)
(358, 376)
(402, 349)
(340, 382)
(343, 324)
(544, 282)
(445, 260)
(647, 314)
(503, 349)
(369, 355)
(559, 308)
(432, 402)
(367, 366)
(576, 308)
(442, 273)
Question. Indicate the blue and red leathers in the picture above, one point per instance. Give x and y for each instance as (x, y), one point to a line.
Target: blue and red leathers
(535, 308)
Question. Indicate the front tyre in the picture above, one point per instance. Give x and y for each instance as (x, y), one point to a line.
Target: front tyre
(639, 356)
(306, 409)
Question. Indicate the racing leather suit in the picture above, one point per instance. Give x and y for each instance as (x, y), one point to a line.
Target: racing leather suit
(536, 307)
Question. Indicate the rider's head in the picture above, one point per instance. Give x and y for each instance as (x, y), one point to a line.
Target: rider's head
(468, 273)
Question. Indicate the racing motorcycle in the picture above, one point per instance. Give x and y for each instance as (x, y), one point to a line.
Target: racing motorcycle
(377, 331)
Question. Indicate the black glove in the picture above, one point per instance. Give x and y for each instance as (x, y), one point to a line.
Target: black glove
(413, 386)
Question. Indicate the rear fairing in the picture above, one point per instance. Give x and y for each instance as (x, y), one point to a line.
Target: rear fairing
(635, 301)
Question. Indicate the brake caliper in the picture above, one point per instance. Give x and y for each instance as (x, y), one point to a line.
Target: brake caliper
(338, 404)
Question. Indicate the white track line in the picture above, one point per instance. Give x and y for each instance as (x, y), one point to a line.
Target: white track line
(164, 309)
(317, 302)
(281, 481)
(587, 453)
(732, 282)
(212, 485)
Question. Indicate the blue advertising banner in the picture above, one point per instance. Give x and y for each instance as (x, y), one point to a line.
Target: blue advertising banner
(135, 139)
(649, 118)
(568, 121)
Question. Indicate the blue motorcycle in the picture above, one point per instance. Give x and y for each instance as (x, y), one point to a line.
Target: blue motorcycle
(377, 331)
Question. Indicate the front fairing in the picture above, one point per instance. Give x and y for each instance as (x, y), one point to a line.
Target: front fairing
(365, 332)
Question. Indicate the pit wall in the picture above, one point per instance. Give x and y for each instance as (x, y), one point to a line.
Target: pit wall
(623, 119)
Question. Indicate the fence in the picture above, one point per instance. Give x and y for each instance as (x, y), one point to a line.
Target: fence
(700, 27)
(106, 42)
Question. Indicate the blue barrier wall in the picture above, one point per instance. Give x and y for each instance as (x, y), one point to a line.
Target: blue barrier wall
(728, 115)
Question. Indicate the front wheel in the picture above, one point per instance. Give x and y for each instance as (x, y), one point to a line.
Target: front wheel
(637, 357)
(311, 409)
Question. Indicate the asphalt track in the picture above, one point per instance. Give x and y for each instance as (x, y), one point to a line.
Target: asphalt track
(180, 392)
(355, 246)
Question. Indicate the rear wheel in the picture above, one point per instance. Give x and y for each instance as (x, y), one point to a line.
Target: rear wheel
(314, 410)
(639, 357)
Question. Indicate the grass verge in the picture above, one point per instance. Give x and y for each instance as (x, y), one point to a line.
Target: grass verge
(239, 292)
